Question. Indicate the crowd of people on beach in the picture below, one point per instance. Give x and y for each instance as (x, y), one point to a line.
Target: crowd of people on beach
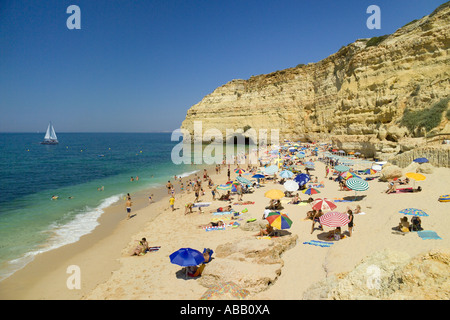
(201, 187)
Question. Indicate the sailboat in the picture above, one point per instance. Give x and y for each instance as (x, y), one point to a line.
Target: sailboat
(50, 135)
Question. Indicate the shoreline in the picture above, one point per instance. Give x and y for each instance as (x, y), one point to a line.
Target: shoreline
(110, 237)
(109, 272)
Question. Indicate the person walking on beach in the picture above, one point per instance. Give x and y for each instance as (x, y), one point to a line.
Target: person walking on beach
(128, 207)
(172, 203)
(150, 198)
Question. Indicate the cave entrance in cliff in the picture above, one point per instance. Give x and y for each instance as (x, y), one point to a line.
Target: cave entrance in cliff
(240, 139)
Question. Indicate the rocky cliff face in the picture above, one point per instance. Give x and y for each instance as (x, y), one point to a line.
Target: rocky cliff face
(362, 90)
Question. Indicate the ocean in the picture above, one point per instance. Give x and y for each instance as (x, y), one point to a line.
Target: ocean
(74, 170)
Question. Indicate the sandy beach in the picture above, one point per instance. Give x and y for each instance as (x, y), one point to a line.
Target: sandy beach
(108, 271)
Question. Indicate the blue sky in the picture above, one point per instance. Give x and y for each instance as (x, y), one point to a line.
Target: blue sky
(137, 66)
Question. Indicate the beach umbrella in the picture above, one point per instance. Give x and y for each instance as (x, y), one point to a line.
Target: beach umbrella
(370, 171)
(291, 185)
(357, 184)
(334, 219)
(300, 154)
(341, 168)
(271, 170)
(377, 167)
(258, 176)
(414, 212)
(311, 191)
(346, 175)
(239, 171)
(244, 181)
(302, 178)
(274, 194)
(309, 164)
(323, 204)
(279, 220)
(186, 257)
(286, 174)
(225, 291)
(224, 187)
(415, 176)
(421, 160)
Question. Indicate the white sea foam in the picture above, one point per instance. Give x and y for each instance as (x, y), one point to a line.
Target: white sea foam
(62, 234)
(186, 174)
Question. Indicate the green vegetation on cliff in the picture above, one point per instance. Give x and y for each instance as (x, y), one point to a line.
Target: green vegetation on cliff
(428, 118)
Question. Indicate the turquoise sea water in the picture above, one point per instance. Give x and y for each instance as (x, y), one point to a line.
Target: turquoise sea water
(31, 173)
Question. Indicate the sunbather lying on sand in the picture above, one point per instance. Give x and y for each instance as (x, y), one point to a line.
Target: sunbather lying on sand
(219, 223)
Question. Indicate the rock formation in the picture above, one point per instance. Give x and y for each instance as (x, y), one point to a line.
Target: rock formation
(360, 92)
(252, 264)
(390, 275)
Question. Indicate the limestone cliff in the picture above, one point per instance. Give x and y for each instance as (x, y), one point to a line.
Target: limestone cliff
(363, 89)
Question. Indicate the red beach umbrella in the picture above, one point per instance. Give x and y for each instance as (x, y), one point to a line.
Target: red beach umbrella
(323, 204)
(334, 219)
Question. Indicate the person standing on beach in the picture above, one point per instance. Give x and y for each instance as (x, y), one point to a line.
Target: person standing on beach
(169, 187)
(128, 207)
(350, 224)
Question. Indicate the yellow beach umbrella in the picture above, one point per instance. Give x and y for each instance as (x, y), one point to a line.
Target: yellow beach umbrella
(415, 176)
(274, 194)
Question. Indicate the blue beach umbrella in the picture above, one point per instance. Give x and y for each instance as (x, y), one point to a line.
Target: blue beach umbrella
(286, 174)
(421, 160)
(271, 170)
(309, 164)
(302, 178)
(258, 176)
(414, 212)
(186, 257)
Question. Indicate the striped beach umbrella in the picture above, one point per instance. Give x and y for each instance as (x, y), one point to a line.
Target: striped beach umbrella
(414, 212)
(334, 219)
(239, 171)
(370, 171)
(279, 220)
(323, 204)
(311, 191)
(341, 168)
(225, 291)
(224, 187)
(357, 184)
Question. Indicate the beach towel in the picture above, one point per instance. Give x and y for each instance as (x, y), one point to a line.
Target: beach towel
(265, 237)
(318, 243)
(404, 190)
(214, 228)
(201, 204)
(222, 213)
(428, 235)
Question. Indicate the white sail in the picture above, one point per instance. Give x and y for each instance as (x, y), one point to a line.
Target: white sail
(53, 134)
(47, 134)
(50, 135)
